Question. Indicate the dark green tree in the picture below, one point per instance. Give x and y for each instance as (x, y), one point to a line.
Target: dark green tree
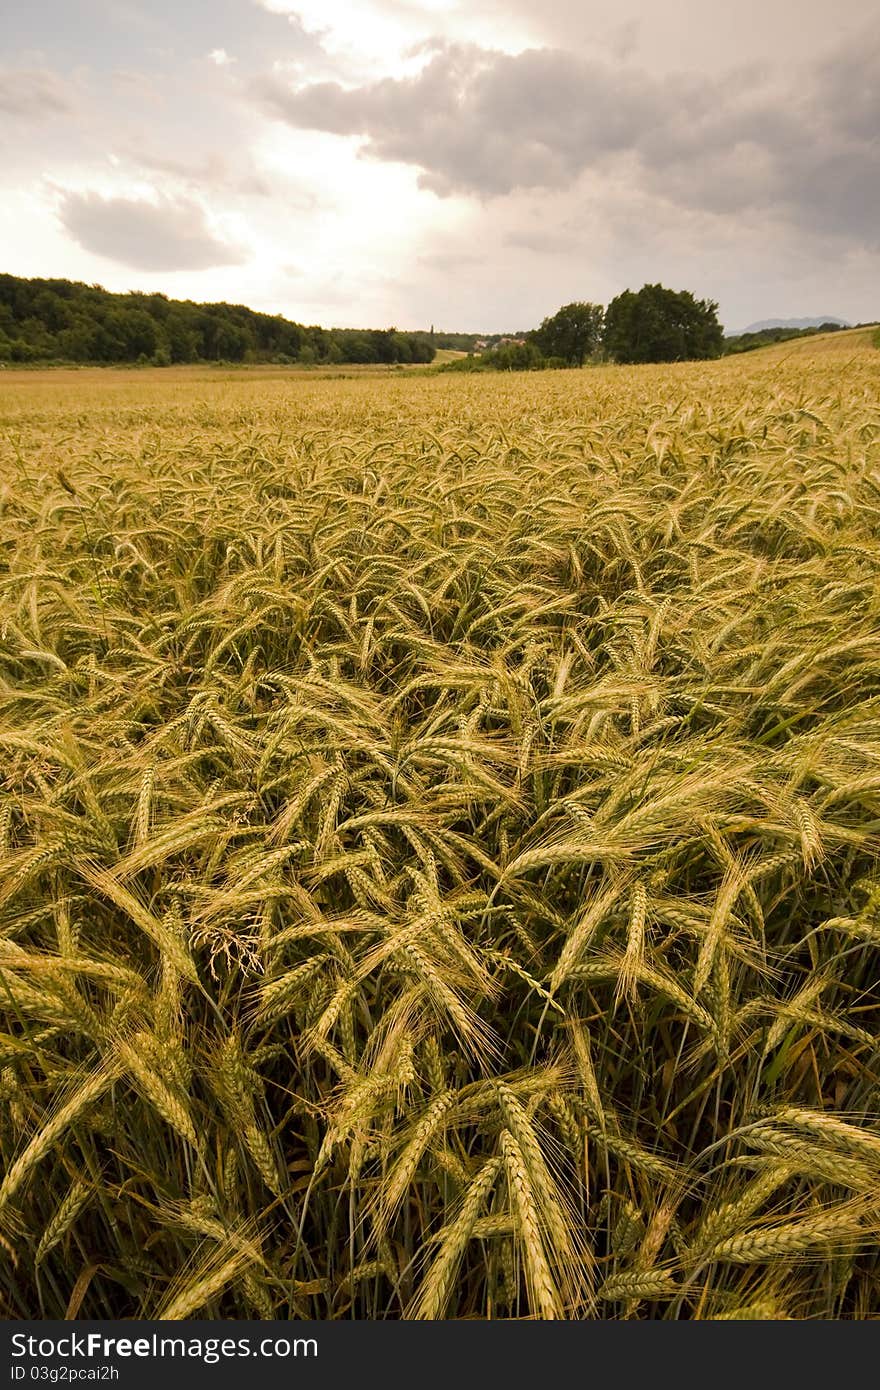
(59, 320)
(183, 337)
(655, 324)
(572, 333)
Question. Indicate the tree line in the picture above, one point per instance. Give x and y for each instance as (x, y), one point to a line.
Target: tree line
(64, 321)
(653, 324)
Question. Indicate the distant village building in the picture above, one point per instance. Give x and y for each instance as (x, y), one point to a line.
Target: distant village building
(482, 344)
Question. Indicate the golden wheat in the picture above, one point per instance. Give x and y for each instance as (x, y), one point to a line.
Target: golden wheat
(439, 842)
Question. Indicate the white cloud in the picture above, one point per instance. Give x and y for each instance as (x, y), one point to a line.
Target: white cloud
(33, 93)
(159, 234)
(386, 37)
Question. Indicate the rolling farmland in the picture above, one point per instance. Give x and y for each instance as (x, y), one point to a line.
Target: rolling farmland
(439, 842)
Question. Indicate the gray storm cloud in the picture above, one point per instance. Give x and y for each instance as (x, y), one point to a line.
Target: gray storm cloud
(486, 124)
(171, 234)
(480, 122)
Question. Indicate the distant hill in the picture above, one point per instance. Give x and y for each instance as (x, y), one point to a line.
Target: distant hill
(778, 332)
(762, 324)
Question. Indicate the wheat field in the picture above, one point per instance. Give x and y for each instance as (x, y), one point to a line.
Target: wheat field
(439, 867)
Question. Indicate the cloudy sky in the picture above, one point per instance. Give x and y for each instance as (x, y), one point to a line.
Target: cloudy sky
(467, 163)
